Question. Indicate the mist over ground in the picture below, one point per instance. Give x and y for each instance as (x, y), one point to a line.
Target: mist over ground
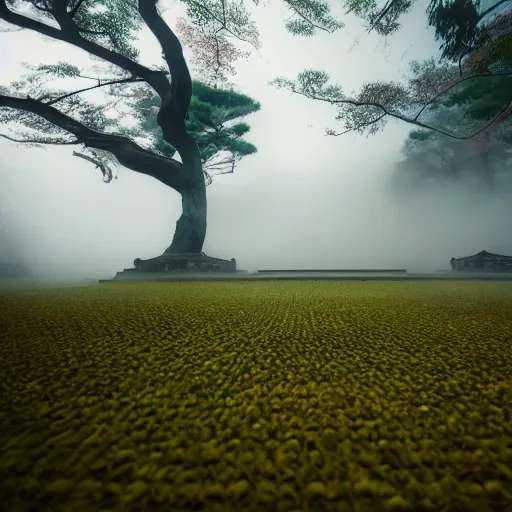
(325, 218)
(303, 201)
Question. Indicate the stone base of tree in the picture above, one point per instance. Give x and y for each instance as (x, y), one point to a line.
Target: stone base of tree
(192, 263)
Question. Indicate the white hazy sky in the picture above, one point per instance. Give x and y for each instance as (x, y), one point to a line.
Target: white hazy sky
(304, 200)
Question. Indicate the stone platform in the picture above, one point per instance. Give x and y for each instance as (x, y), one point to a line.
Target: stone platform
(176, 264)
(283, 275)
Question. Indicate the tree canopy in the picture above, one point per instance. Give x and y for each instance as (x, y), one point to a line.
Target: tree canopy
(213, 122)
(212, 118)
(213, 26)
(107, 29)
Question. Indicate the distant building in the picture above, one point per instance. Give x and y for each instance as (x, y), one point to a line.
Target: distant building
(483, 262)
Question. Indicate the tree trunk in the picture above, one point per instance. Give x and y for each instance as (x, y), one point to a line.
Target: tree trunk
(191, 226)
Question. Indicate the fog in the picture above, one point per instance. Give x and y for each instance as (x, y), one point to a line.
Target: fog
(304, 200)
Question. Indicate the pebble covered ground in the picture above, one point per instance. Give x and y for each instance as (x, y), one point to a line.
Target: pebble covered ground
(249, 396)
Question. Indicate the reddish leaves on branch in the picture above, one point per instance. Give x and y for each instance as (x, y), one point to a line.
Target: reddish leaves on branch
(212, 54)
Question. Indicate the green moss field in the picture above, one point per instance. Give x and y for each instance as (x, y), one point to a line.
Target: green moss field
(347, 396)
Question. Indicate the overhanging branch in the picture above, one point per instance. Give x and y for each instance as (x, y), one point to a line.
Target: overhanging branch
(401, 117)
(128, 153)
(305, 18)
(113, 82)
(156, 79)
(387, 112)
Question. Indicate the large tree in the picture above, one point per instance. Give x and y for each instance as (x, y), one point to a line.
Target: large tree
(171, 112)
(106, 30)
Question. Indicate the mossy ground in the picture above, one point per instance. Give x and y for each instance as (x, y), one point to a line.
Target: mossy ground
(346, 396)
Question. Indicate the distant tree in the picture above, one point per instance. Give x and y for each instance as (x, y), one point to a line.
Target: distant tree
(439, 159)
(479, 103)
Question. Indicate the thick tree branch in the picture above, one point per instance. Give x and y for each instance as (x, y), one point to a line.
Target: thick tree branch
(175, 105)
(401, 117)
(113, 82)
(454, 84)
(75, 9)
(128, 153)
(305, 18)
(156, 79)
(65, 21)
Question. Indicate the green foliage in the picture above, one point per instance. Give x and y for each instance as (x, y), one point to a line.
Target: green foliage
(382, 19)
(495, 57)
(464, 110)
(212, 122)
(455, 25)
(426, 79)
(60, 70)
(111, 23)
(42, 83)
(482, 98)
(363, 112)
(420, 135)
(229, 15)
(313, 14)
(470, 105)
(232, 16)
